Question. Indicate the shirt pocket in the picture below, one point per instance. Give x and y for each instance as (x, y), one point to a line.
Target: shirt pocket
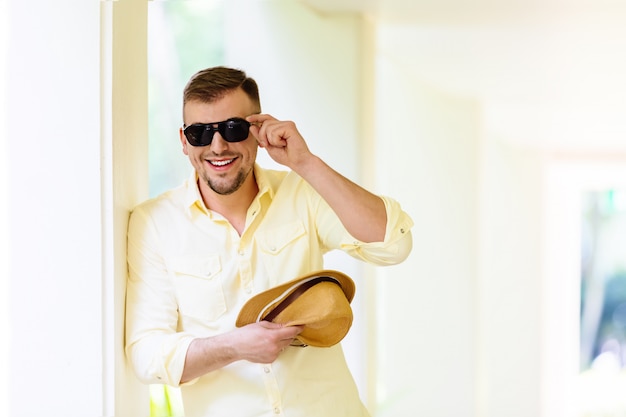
(273, 241)
(285, 251)
(199, 288)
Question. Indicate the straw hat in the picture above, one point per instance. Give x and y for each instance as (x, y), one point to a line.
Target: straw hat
(320, 301)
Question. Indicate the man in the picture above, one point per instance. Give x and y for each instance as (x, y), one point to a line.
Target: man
(197, 253)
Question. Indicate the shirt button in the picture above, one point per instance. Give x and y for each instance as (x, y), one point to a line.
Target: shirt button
(277, 410)
(241, 253)
(401, 230)
(248, 290)
(266, 370)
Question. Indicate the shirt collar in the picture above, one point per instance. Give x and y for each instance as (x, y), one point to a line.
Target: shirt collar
(264, 182)
(192, 194)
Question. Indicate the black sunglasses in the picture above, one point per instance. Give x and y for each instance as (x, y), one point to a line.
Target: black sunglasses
(234, 129)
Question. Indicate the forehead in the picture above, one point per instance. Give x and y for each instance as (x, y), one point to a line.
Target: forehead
(233, 104)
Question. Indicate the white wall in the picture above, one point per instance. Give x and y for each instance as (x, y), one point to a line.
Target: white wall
(543, 85)
(508, 294)
(67, 227)
(426, 154)
(4, 220)
(54, 203)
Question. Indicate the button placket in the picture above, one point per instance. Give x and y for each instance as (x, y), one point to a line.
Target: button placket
(244, 265)
(271, 386)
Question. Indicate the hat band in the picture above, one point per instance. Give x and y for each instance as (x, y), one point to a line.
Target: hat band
(294, 295)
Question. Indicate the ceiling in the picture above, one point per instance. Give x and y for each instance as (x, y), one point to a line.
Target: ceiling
(462, 10)
(550, 70)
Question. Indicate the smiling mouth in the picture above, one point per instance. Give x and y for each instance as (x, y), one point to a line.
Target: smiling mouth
(221, 162)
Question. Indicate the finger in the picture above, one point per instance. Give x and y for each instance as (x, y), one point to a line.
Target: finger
(290, 332)
(260, 128)
(287, 329)
(270, 325)
(276, 134)
(259, 117)
(255, 132)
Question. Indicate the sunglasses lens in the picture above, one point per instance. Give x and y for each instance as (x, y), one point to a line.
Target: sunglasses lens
(235, 130)
(199, 134)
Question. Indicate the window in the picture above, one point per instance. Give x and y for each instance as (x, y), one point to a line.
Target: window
(576, 379)
(183, 37)
(603, 303)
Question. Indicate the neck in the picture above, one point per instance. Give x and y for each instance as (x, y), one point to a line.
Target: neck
(234, 207)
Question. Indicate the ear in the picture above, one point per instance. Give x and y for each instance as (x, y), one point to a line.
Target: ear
(183, 140)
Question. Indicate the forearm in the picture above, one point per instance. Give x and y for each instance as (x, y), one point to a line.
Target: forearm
(362, 213)
(207, 354)
(257, 342)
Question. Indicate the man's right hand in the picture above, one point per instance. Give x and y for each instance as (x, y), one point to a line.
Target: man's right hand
(262, 342)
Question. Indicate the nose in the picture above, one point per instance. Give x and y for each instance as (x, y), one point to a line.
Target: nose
(218, 144)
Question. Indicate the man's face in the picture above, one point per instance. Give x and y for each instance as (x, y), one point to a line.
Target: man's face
(222, 166)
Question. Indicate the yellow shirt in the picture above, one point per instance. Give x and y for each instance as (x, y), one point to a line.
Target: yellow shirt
(190, 273)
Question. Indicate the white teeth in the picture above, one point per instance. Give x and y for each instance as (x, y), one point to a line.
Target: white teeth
(221, 163)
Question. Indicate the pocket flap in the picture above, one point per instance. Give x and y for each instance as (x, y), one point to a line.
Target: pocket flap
(205, 267)
(277, 238)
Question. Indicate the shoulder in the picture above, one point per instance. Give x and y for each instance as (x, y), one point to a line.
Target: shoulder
(275, 179)
(171, 199)
(271, 177)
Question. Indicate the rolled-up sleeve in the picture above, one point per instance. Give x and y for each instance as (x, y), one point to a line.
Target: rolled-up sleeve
(395, 247)
(155, 350)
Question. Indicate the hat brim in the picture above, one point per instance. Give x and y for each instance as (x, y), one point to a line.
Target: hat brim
(252, 310)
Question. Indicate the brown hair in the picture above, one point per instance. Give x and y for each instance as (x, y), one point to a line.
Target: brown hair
(211, 84)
